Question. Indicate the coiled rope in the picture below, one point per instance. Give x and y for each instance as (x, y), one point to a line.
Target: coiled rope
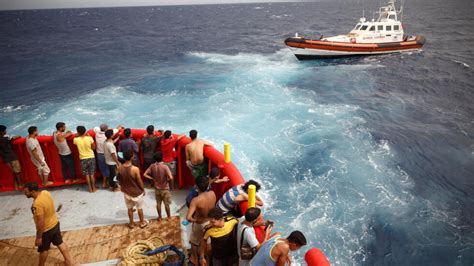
(134, 254)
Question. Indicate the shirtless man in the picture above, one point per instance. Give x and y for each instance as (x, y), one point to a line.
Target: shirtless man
(275, 250)
(195, 155)
(197, 214)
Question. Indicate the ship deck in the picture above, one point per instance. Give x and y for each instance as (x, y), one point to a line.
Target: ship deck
(94, 226)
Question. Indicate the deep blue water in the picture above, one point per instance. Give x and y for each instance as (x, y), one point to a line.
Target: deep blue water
(372, 157)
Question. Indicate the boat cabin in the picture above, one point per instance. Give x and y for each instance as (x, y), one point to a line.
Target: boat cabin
(386, 28)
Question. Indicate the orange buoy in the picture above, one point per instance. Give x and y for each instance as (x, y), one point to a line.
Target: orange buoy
(315, 257)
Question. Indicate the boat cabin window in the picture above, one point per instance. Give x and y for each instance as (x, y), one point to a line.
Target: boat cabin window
(388, 28)
(380, 27)
(372, 28)
(357, 26)
(364, 27)
(396, 27)
(392, 17)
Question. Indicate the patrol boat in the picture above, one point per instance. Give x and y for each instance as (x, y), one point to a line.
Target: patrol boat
(379, 36)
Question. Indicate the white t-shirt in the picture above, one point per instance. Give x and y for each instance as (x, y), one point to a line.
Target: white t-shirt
(32, 144)
(249, 238)
(100, 139)
(109, 149)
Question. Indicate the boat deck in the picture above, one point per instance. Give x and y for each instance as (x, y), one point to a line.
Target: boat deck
(89, 245)
(93, 225)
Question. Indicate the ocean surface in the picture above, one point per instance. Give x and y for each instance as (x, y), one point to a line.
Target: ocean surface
(371, 157)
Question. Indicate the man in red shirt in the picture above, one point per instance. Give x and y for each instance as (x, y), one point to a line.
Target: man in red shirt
(168, 143)
(163, 182)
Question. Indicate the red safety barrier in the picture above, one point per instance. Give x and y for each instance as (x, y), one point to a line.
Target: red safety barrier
(315, 257)
(184, 176)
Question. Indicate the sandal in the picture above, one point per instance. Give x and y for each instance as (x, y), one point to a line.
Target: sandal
(145, 224)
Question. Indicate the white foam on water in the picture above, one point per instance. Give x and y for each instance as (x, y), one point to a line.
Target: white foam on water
(321, 170)
(462, 63)
(11, 108)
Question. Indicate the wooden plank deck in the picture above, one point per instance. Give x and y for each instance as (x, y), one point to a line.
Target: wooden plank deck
(90, 244)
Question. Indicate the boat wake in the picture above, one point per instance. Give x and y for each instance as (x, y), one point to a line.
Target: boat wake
(322, 170)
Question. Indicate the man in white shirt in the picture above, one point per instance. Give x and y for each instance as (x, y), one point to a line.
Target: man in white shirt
(246, 233)
(37, 156)
(111, 159)
(100, 143)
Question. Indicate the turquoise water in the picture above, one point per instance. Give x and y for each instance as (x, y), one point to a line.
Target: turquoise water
(370, 157)
(322, 171)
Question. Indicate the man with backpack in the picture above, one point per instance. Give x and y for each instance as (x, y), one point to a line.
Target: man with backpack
(221, 231)
(247, 243)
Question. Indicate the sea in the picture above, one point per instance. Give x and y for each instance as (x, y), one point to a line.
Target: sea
(372, 158)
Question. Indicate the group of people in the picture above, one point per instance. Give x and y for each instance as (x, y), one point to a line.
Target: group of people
(220, 233)
(231, 236)
(105, 148)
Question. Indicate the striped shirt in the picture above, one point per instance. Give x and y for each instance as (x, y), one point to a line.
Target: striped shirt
(227, 202)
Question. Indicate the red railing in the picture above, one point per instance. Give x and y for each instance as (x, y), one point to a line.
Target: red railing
(185, 179)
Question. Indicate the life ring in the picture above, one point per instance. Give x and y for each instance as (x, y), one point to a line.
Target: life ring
(353, 40)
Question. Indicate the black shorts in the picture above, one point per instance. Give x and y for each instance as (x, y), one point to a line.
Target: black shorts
(226, 261)
(53, 235)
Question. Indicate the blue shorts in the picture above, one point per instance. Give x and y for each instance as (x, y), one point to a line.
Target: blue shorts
(104, 170)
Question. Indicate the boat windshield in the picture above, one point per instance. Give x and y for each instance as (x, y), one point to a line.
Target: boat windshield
(357, 27)
(364, 27)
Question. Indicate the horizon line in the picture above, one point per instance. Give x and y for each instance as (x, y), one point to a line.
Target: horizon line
(156, 5)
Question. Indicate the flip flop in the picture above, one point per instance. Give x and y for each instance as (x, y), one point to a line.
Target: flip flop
(145, 224)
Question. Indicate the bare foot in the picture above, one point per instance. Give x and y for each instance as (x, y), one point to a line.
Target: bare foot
(159, 219)
(68, 181)
(131, 225)
(116, 189)
(94, 189)
(49, 183)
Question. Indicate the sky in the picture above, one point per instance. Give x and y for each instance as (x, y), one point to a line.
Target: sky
(47, 4)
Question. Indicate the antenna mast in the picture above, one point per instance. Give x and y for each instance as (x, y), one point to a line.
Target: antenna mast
(400, 11)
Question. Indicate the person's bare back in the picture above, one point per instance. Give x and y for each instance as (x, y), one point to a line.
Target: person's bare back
(195, 151)
(201, 205)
